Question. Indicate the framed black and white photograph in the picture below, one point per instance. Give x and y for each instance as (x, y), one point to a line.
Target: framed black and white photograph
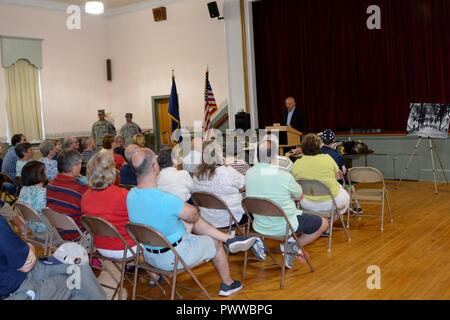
(429, 120)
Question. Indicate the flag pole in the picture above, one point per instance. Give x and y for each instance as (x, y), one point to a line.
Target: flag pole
(173, 74)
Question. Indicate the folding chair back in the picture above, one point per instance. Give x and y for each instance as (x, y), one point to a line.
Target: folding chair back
(268, 208)
(211, 201)
(315, 188)
(4, 178)
(148, 236)
(30, 215)
(63, 222)
(99, 227)
(365, 175)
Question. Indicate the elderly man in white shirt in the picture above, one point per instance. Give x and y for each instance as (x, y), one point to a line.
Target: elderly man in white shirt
(171, 180)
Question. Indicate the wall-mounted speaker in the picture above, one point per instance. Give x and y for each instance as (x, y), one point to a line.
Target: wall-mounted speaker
(160, 14)
(214, 10)
(108, 70)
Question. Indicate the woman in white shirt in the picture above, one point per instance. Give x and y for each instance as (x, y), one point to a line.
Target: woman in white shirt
(171, 180)
(223, 181)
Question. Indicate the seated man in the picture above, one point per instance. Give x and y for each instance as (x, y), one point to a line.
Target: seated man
(127, 176)
(328, 138)
(65, 191)
(24, 152)
(89, 150)
(266, 180)
(176, 220)
(23, 277)
(10, 160)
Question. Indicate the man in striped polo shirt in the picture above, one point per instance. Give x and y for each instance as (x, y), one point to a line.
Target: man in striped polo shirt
(65, 191)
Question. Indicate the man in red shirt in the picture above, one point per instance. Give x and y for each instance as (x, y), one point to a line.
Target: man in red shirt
(65, 191)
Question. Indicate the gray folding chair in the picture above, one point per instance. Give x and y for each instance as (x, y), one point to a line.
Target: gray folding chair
(147, 236)
(99, 227)
(317, 188)
(268, 208)
(46, 241)
(368, 175)
(211, 201)
(62, 222)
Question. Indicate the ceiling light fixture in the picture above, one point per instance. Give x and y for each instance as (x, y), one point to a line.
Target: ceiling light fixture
(94, 7)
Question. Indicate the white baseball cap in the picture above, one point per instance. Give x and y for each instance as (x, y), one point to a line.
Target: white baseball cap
(71, 253)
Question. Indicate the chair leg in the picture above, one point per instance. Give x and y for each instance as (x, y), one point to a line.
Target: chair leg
(199, 283)
(283, 266)
(122, 278)
(389, 208)
(174, 280)
(382, 214)
(136, 271)
(331, 232)
(245, 265)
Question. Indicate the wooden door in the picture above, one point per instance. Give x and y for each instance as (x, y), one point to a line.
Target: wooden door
(164, 120)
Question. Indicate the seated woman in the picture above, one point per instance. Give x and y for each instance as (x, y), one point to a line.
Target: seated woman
(139, 139)
(48, 151)
(105, 200)
(107, 145)
(171, 180)
(314, 165)
(226, 183)
(33, 193)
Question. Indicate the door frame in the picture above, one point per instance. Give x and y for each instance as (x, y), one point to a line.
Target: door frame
(155, 114)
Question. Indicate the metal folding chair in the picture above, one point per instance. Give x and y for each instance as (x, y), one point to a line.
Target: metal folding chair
(147, 236)
(4, 194)
(268, 208)
(317, 188)
(99, 227)
(50, 240)
(211, 201)
(62, 222)
(368, 175)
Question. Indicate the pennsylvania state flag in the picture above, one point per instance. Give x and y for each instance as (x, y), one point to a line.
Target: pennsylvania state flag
(174, 112)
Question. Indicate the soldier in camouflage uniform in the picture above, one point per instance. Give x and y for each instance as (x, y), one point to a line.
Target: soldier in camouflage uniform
(129, 129)
(101, 128)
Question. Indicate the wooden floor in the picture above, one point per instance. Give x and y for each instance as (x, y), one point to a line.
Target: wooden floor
(413, 254)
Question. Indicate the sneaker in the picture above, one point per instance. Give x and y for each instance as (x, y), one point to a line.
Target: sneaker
(239, 243)
(293, 250)
(152, 282)
(326, 233)
(228, 290)
(258, 249)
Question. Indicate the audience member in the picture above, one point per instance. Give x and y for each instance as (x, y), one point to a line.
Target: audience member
(266, 180)
(176, 220)
(317, 166)
(118, 145)
(194, 158)
(24, 152)
(127, 176)
(89, 150)
(24, 277)
(48, 151)
(107, 201)
(328, 138)
(171, 180)
(33, 193)
(107, 145)
(232, 159)
(71, 143)
(10, 159)
(65, 191)
(139, 139)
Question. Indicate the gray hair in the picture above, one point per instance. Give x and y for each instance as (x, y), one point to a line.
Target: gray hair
(101, 171)
(130, 150)
(46, 146)
(67, 159)
(67, 142)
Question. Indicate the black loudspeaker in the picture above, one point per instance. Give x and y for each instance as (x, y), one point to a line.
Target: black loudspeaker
(108, 70)
(242, 121)
(214, 10)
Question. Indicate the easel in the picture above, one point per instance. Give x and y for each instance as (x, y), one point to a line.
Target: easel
(432, 146)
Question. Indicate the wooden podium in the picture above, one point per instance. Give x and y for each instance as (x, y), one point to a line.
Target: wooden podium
(289, 137)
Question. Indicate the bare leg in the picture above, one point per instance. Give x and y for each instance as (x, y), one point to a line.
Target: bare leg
(203, 228)
(308, 238)
(220, 262)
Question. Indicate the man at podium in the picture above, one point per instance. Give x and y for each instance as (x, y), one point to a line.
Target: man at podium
(293, 116)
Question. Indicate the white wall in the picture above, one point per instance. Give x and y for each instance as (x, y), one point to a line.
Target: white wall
(143, 53)
(73, 76)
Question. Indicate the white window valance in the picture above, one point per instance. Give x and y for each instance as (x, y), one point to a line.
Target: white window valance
(14, 48)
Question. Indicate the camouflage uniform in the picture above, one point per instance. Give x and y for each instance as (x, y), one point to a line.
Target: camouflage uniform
(100, 129)
(128, 130)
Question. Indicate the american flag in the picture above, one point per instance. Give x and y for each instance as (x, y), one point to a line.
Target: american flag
(210, 104)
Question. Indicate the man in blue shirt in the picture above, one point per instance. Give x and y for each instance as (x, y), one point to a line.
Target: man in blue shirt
(176, 220)
(328, 138)
(10, 160)
(24, 277)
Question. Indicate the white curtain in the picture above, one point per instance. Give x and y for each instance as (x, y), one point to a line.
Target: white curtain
(23, 100)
